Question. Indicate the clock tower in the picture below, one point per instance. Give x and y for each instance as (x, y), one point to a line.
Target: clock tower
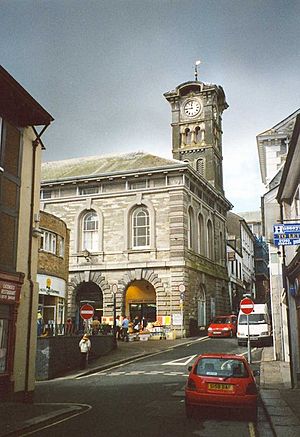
(197, 110)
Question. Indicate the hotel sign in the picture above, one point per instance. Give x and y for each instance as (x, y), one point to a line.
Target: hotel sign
(287, 234)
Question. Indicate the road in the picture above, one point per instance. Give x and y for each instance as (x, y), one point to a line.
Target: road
(146, 398)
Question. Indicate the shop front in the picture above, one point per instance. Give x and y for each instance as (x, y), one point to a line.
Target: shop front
(10, 288)
(51, 308)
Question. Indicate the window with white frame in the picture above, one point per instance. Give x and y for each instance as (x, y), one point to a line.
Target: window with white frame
(90, 234)
(60, 246)
(88, 190)
(138, 184)
(48, 241)
(140, 228)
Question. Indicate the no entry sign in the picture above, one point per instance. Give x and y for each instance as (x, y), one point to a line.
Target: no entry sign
(86, 311)
(247, 305)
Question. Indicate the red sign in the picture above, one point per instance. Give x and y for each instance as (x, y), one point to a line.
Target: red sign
(86, 311)
(247, 305)
(9, 292)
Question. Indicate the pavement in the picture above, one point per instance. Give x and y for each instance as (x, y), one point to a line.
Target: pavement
(280, 402)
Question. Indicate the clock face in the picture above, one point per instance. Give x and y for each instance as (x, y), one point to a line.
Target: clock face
(192, 108)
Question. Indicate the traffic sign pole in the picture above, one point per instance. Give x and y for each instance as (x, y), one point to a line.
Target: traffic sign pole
(249, 345)
(247, 307)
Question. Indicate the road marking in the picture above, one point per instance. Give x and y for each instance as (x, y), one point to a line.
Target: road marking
(251, 429)
(180, 361)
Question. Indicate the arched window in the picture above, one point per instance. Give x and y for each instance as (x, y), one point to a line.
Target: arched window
(210, 241)
(197, 134)
(201, 248)
(221, 248)
(190, 228)
(140, 228)
(188, 136)
(200, 166)
(90, 235)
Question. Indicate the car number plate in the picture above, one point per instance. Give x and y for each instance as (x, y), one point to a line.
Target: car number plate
(216, 332)
(222, 387)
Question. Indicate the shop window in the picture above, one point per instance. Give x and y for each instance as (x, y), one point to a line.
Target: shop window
(4, 325)
(140, 228)
(48, 242)
(90, 240)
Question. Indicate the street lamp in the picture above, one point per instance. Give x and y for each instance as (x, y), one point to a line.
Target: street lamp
(114, 290)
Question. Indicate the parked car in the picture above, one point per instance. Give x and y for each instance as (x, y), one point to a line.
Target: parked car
(221, 381)
(223, 326)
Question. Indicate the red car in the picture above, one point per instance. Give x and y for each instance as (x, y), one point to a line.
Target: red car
(221, 381)
(223, 326)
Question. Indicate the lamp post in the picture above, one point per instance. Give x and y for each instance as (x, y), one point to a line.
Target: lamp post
(114, 290)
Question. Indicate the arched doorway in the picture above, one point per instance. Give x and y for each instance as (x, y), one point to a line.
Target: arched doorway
(88, 292)
(140, 300)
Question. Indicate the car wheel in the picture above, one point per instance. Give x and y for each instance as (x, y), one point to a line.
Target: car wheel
(189, 411)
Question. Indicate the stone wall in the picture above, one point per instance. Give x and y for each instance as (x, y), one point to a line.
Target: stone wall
(55, 356)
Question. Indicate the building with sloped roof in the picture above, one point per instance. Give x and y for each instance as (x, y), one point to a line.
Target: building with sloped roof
(148, 233)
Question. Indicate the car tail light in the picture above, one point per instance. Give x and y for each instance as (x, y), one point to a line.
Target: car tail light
(251, 389)
(191, 384)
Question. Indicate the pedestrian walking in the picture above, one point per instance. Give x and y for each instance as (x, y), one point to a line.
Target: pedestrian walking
(118, 328)
(125, 325)
(85, 347)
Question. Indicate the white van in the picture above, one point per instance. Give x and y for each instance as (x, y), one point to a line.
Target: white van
(259, 326)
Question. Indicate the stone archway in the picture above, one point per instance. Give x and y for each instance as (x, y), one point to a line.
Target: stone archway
(84, 286)
(142, 278)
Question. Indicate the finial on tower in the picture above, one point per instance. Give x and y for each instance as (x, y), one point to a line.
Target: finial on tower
(196, 69)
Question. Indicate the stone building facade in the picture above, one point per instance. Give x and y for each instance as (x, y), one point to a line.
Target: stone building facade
(149, 229)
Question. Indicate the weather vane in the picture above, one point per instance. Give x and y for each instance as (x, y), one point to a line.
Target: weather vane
(196, 69)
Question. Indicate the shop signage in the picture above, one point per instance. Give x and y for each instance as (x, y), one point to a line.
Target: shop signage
(177, 319)
(287, 234)
(51, 286)
(9, 292)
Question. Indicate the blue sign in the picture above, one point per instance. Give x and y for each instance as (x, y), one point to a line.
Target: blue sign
(287, 234)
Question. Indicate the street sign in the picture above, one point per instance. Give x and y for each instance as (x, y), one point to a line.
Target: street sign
(247, 305)
(286, 234)
(86, 311)
(181, 288)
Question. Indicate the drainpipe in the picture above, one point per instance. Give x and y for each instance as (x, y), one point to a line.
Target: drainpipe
(35, 144)
(284, 282)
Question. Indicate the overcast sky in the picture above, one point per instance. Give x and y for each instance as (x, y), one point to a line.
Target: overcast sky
(100, 67)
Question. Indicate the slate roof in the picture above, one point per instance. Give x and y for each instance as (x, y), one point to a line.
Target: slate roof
(101, 165)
